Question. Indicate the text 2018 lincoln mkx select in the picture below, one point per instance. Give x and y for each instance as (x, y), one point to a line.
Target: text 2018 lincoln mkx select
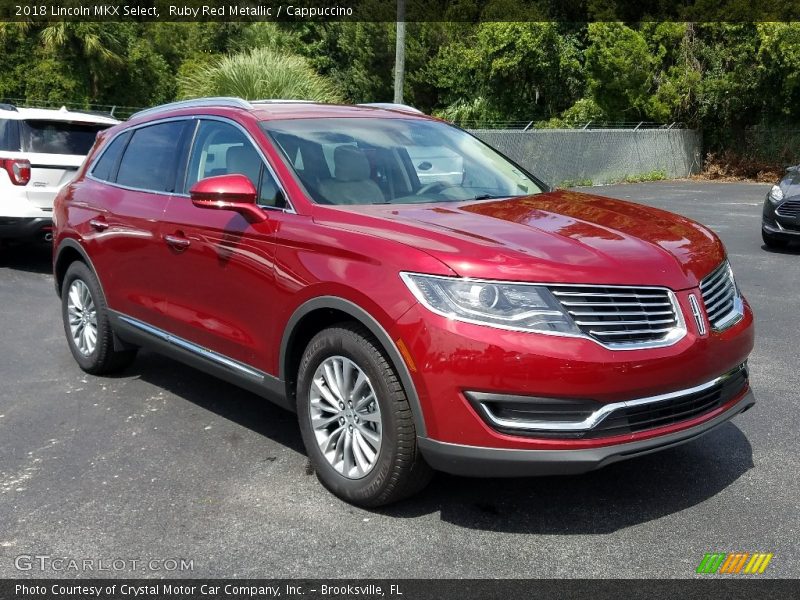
(419, 300)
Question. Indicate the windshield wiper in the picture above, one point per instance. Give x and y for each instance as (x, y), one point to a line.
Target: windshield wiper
(490, 197)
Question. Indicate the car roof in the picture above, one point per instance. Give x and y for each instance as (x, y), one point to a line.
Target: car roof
(265, 110)
(49, 114)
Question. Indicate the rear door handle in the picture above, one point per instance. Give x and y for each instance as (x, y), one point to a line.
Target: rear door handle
(177, 241)
(99, 224)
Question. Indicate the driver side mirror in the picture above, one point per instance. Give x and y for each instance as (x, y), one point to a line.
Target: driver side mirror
(228, 192)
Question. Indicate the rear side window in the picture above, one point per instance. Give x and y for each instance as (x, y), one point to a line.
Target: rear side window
(105, 168)
(58, 137)
(150, 160)
(9, 135)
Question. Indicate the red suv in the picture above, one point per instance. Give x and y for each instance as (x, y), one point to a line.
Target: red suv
(418, 299)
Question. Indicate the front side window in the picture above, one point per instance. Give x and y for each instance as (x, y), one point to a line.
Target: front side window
(222, 149)
(58, 137)
(394, 161)
(150, 160)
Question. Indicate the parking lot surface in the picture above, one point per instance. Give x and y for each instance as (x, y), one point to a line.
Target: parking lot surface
(165, 462)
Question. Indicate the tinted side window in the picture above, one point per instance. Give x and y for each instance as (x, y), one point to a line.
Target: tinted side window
(105, 168)
(149, 162)
(9, 135)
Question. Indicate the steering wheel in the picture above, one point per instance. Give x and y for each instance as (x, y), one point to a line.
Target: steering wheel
(436, 186)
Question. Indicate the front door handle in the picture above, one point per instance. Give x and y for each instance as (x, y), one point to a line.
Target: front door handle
(98, 224)
(177, 241)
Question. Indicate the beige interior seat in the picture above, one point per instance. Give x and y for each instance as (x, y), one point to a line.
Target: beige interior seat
(350, 183)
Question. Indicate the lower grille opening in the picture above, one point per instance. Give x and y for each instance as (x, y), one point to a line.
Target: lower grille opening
(563, 418)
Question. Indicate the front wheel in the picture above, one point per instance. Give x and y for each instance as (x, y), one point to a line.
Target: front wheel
(355, 420)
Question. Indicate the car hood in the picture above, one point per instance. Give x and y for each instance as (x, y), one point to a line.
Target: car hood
(554, 237)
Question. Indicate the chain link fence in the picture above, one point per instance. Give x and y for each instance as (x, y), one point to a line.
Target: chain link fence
(570, 157)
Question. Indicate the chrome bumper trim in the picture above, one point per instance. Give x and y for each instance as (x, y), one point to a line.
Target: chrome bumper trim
(601, 413)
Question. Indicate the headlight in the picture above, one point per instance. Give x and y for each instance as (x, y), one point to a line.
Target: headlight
(775, 194)
(504, 305)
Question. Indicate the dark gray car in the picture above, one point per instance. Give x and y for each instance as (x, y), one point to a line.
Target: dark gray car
(780, 222)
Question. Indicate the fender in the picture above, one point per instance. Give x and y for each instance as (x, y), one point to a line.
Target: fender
(375, 328)
(75, 245)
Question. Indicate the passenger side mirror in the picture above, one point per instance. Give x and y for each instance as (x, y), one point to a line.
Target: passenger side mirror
(228, 192)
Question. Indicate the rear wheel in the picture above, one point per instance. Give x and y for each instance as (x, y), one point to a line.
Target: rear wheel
(355, 419)
(86, 323)
(772, 241)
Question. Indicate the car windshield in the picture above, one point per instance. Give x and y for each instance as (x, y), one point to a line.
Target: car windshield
(59, 137)
(394, 161)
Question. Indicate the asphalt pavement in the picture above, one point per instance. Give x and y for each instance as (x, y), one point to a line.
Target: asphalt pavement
(164, 462)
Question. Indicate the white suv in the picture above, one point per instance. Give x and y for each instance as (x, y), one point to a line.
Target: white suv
(40, 151)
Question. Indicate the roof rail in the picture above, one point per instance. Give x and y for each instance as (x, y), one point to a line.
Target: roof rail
(6, 106)
(196, 103)
(393, 106)
(282, 101)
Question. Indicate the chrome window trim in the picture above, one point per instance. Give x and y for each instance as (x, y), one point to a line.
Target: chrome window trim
(600, 414)
(677, 334)
(289, 207)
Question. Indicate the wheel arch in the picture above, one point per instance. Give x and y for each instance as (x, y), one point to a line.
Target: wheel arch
(317, 313)
(70, 250)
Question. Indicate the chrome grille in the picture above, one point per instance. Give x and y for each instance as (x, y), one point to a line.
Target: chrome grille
(720, 296)
(790, 208)
(621, 316)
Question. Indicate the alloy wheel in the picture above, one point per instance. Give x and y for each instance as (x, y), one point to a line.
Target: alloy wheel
(345, 417)
(82, 317)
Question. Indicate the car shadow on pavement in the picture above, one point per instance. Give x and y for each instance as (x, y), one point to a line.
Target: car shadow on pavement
(790, 249)
(34, 257)
(619, 496)
(224, 399)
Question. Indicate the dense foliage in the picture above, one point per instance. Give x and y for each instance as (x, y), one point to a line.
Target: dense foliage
(727, 79)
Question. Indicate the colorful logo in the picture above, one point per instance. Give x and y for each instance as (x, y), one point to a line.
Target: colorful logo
(735, 563)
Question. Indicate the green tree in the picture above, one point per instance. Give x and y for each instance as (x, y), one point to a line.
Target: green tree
(97, 47)
(522, 70)
(620, 70)
(261, 73)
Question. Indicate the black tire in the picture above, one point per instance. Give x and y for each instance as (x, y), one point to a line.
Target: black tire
(399, 469)
(103, 358)
(770, 241)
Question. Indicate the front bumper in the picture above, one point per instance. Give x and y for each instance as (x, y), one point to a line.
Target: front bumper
(779, 226)
(25, 227)
(501, 462)
(776, 229)
(449, 361)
